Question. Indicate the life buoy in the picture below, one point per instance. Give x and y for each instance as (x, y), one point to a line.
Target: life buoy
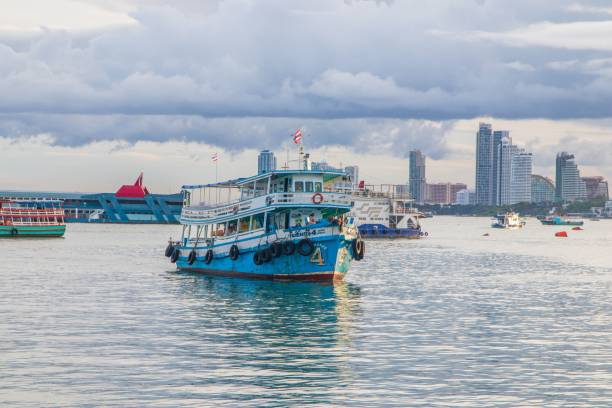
(175, 255)
(288, 247)
(192, 257)
(257, 258)
(305, 247)
(209, 256)
(169, 250)
(276, 249)
(317, 198)
(234, 252)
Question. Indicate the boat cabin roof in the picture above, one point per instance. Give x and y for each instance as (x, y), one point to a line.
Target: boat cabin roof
(326, 175)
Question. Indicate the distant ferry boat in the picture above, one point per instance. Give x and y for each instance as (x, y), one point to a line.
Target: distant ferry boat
(559, 220)
(509, 220)
(381, 213)
(31, 219)
(284, 224)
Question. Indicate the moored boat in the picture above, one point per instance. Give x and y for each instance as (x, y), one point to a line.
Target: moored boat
(559, 220)
(31, 219)
(283, 224)
(386, 212)
(509, 220)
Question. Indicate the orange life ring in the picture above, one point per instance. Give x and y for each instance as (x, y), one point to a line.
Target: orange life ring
(317, 198)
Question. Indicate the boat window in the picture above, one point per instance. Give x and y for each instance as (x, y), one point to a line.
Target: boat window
(244, 224)
(309, 187)
(299, 186)
(232, 227)
(318, 186)
(219, 230)
(258, 220)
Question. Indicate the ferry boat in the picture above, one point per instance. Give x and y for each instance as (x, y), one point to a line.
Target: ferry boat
(283, 224)
(559, 220)
(509, 220)
(386, 212)
(31, 219)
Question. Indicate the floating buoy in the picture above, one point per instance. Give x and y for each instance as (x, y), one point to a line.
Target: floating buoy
(577, 229)
(561, 234)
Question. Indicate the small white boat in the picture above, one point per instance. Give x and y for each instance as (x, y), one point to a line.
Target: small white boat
(509, 220)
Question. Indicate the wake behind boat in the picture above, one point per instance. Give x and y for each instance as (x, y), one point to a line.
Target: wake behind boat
(284, 224)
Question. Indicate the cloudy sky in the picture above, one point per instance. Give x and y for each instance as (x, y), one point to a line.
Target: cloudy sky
(94, 91)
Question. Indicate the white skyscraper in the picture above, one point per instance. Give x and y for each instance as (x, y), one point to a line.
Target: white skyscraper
(504, 171)
(522, 166)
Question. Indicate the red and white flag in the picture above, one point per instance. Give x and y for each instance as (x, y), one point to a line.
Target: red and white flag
(297, 136)
(215, 157)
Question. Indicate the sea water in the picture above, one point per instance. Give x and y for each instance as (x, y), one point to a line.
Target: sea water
(516, 318)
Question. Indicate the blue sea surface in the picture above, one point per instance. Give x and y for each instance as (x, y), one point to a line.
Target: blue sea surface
(517, 318)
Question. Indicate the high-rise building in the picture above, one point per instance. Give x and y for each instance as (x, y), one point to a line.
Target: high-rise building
(416, 181)
(569, 185)
(498, 137)
(542, 189)
(504, 171)
(443, 193)
(520, 184)
(266, 161)
(596, 187)
(484, 165)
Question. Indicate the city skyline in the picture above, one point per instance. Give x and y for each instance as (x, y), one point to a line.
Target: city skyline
(94, 92)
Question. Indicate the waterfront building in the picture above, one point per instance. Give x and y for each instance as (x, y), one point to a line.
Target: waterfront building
(568, 184)
(266, 162)
(520, 184)
(498, 137)
(484, 165)
(504, 172)
(542, 189)
(465, 197)
(416, 181)
(596, 186)
(132, 203)
(443, 193)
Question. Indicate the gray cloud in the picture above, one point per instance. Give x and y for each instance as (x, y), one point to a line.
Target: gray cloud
(238, 73)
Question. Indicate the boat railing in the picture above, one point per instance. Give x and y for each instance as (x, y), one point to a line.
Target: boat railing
(203, 212)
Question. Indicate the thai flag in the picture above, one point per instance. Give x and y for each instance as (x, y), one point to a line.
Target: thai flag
(297, 137)
(215, 157)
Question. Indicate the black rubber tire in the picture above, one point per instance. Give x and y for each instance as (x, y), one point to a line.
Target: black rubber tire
(276, 249)
(257, 258)
(305, 247)
(209, 256)
(191, 258)
(14, 232)
(175, 255)
(169, 250)
(288, 247)
(358, 249)
(234, 252)
(265, 255)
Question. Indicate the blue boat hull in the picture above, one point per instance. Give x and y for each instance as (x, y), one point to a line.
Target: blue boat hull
(330, 260)
(381, 231)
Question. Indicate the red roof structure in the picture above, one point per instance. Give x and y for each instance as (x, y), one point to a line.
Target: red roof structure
(133, 191)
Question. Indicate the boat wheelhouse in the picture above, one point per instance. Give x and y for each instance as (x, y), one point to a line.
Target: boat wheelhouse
(31, 219)
(386, 211)
(509, 220)
(284, 224)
